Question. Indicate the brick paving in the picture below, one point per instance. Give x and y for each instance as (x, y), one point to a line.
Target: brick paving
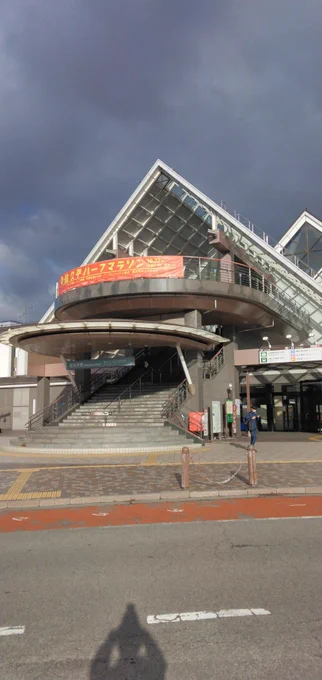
(103, 481)
(7, 478)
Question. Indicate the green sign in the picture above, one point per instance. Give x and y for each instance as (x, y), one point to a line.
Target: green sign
(100, 363)
(229, 417)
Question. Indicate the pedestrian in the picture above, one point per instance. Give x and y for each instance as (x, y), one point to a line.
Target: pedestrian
(251, 420)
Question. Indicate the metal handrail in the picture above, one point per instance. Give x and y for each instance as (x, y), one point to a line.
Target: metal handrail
(268, 239)
(119, 397)
(172, 410)
(159, 370)
(70, 398)
(214, 365)
(232, 272)
(173, 403)
(117, 400)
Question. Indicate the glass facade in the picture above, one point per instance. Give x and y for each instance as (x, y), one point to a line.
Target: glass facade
(306, 246)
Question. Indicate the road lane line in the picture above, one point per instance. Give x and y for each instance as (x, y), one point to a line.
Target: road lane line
(203, 615)
(12, 630)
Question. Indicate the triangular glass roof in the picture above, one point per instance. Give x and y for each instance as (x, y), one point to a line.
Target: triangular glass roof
(166, 215)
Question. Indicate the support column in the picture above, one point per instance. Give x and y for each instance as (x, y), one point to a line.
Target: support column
(231, 373)
(195, 363)
(43, 393)
(195, 368)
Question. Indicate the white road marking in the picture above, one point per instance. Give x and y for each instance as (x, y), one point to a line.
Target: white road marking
(201, 616)
(12, 630)
(176, 510)
(19, 519)
(100, 514)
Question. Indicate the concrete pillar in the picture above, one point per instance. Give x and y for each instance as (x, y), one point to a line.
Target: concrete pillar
(195, 366)
(227, 269)
(42, 394)
(230, 373)
(195, 363)
(193, 319)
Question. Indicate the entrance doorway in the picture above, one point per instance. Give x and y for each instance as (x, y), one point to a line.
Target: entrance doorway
(311, 398)
(291, 412)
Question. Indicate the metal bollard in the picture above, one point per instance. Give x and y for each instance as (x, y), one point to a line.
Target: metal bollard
(252, 469)
(185, 467)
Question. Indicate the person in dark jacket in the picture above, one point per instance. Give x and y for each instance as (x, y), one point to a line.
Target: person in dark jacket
(251, 420)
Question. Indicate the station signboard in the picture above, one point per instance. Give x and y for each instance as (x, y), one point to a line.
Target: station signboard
(100, 363)
(290, 355)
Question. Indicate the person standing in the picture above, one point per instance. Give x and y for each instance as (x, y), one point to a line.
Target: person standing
(251, 420)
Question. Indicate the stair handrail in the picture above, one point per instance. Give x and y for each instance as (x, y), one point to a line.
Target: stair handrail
(213, 365)
(174, 401)
(128, 389)
(159, 369)
(173, 413)
(139, 380)
(74, 396)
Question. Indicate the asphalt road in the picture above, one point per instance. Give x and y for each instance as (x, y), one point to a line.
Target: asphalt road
(84, 597)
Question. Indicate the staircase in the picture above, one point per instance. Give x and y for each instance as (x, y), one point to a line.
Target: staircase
(117, 418)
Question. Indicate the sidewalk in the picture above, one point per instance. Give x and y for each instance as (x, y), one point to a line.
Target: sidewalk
(284, 462)
(64, 485)
(272, 447)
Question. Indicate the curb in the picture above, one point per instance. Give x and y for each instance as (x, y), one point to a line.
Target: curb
(162, 496)
(135, 451)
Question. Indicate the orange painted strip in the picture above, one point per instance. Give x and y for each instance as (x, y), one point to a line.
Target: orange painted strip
(158, 513)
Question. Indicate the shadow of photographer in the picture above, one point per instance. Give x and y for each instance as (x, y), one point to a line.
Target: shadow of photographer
(129, 653)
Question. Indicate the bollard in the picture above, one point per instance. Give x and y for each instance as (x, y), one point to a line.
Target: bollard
(252, 469)
(185, 467)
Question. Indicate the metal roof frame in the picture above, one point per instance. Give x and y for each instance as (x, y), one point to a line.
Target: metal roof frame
(214, 212)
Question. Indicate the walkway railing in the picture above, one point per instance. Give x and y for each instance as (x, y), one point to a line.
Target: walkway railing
(242, 275)
(268, 239)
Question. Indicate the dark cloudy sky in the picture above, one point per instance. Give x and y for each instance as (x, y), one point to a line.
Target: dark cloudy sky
(227, 92)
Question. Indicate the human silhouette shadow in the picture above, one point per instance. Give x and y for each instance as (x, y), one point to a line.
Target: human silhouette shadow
(129, 653)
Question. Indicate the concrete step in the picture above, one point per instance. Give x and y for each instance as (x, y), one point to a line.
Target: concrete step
(105, 432)
(123, 423)
(140, 417)
(139, 400)
(128, 409)
(55, 431)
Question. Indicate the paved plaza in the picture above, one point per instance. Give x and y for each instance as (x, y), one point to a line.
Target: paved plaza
(283, 461)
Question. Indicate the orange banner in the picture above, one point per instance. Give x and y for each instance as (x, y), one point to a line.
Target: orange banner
(121, 270)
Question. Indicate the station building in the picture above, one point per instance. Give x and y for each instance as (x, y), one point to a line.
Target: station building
(181, 290)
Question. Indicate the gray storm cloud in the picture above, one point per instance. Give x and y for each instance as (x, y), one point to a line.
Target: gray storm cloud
(92, 93)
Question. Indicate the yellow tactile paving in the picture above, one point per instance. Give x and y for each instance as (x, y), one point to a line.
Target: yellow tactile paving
(16, 488)
(151, 459)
